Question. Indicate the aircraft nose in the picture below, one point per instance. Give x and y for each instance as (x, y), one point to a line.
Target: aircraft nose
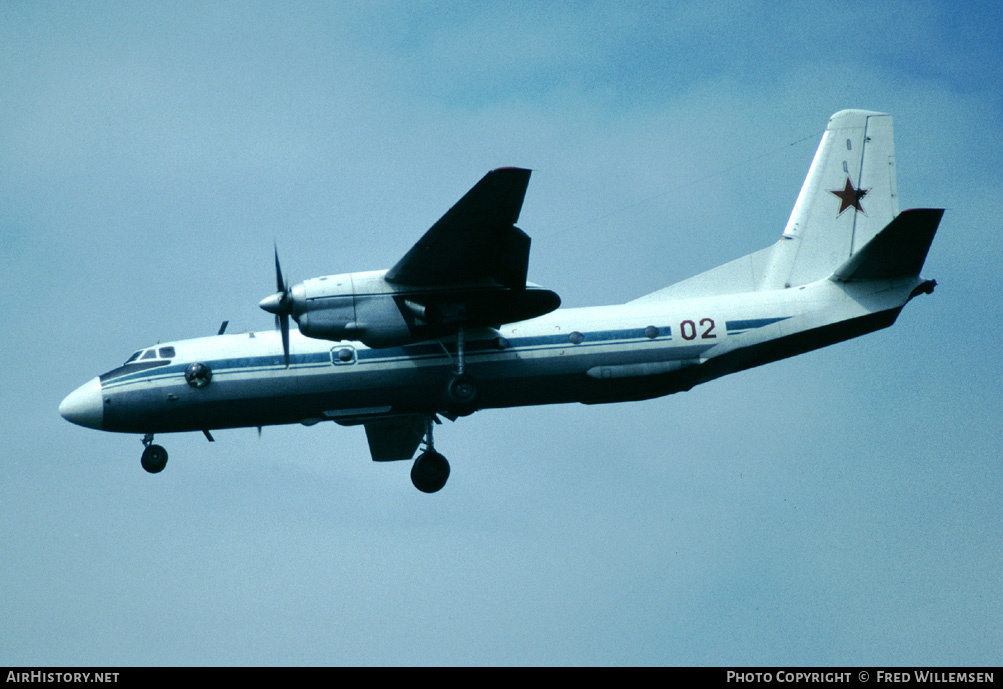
(84, 406)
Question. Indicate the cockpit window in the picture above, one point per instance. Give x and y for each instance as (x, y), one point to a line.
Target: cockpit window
(132, 366)
(143, 360)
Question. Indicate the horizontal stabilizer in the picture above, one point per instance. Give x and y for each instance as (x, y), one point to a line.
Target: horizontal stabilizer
(898, 250)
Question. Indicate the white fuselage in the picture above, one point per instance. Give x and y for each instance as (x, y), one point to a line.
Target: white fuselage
(592, 355)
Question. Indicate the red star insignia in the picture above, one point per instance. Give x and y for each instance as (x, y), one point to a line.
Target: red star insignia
(849, 197)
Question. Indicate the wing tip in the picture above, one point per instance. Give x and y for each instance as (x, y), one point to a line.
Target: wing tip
(521, 173)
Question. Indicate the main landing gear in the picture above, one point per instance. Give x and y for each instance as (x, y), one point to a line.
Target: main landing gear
(430, 470)
(154, 456)
(462, 389)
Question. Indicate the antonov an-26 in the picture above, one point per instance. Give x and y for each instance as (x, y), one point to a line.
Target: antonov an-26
(455, 327)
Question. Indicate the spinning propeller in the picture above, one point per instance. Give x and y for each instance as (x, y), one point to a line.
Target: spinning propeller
(281, 304)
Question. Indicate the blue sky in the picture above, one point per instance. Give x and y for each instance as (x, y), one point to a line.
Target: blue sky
(838, 508)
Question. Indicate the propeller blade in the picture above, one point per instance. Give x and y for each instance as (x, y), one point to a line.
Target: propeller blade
(280, 304)
(284, 327)
(280, 285)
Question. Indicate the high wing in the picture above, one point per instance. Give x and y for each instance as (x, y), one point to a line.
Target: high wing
(475, 240)
(467, 271)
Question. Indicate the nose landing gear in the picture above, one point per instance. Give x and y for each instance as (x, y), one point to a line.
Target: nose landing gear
(154, 456)
(430, 470)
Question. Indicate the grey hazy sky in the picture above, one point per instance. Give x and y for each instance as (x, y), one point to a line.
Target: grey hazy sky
(839, 508)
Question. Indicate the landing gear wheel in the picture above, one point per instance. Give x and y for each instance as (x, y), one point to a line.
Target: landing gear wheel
(154, 459)
(462, 391)
(429, 472)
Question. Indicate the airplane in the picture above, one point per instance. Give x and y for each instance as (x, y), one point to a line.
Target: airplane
(455, 327)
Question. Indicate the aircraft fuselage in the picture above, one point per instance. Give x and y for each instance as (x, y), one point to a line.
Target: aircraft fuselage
(392, 350)
(590, 355)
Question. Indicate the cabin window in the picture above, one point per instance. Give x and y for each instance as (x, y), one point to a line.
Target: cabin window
(651, 332)
(198, 375)
(342, 355)
(167, 352)
(576, 337)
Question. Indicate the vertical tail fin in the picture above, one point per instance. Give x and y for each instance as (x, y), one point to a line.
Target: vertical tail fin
(848, 197)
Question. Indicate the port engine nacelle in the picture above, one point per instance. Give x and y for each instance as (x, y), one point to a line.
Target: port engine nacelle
(365, 307)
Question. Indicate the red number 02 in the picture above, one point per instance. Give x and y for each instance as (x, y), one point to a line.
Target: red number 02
(688, 329)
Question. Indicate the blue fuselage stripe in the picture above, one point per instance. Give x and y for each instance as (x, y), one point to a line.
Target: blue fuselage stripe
(423, 351)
